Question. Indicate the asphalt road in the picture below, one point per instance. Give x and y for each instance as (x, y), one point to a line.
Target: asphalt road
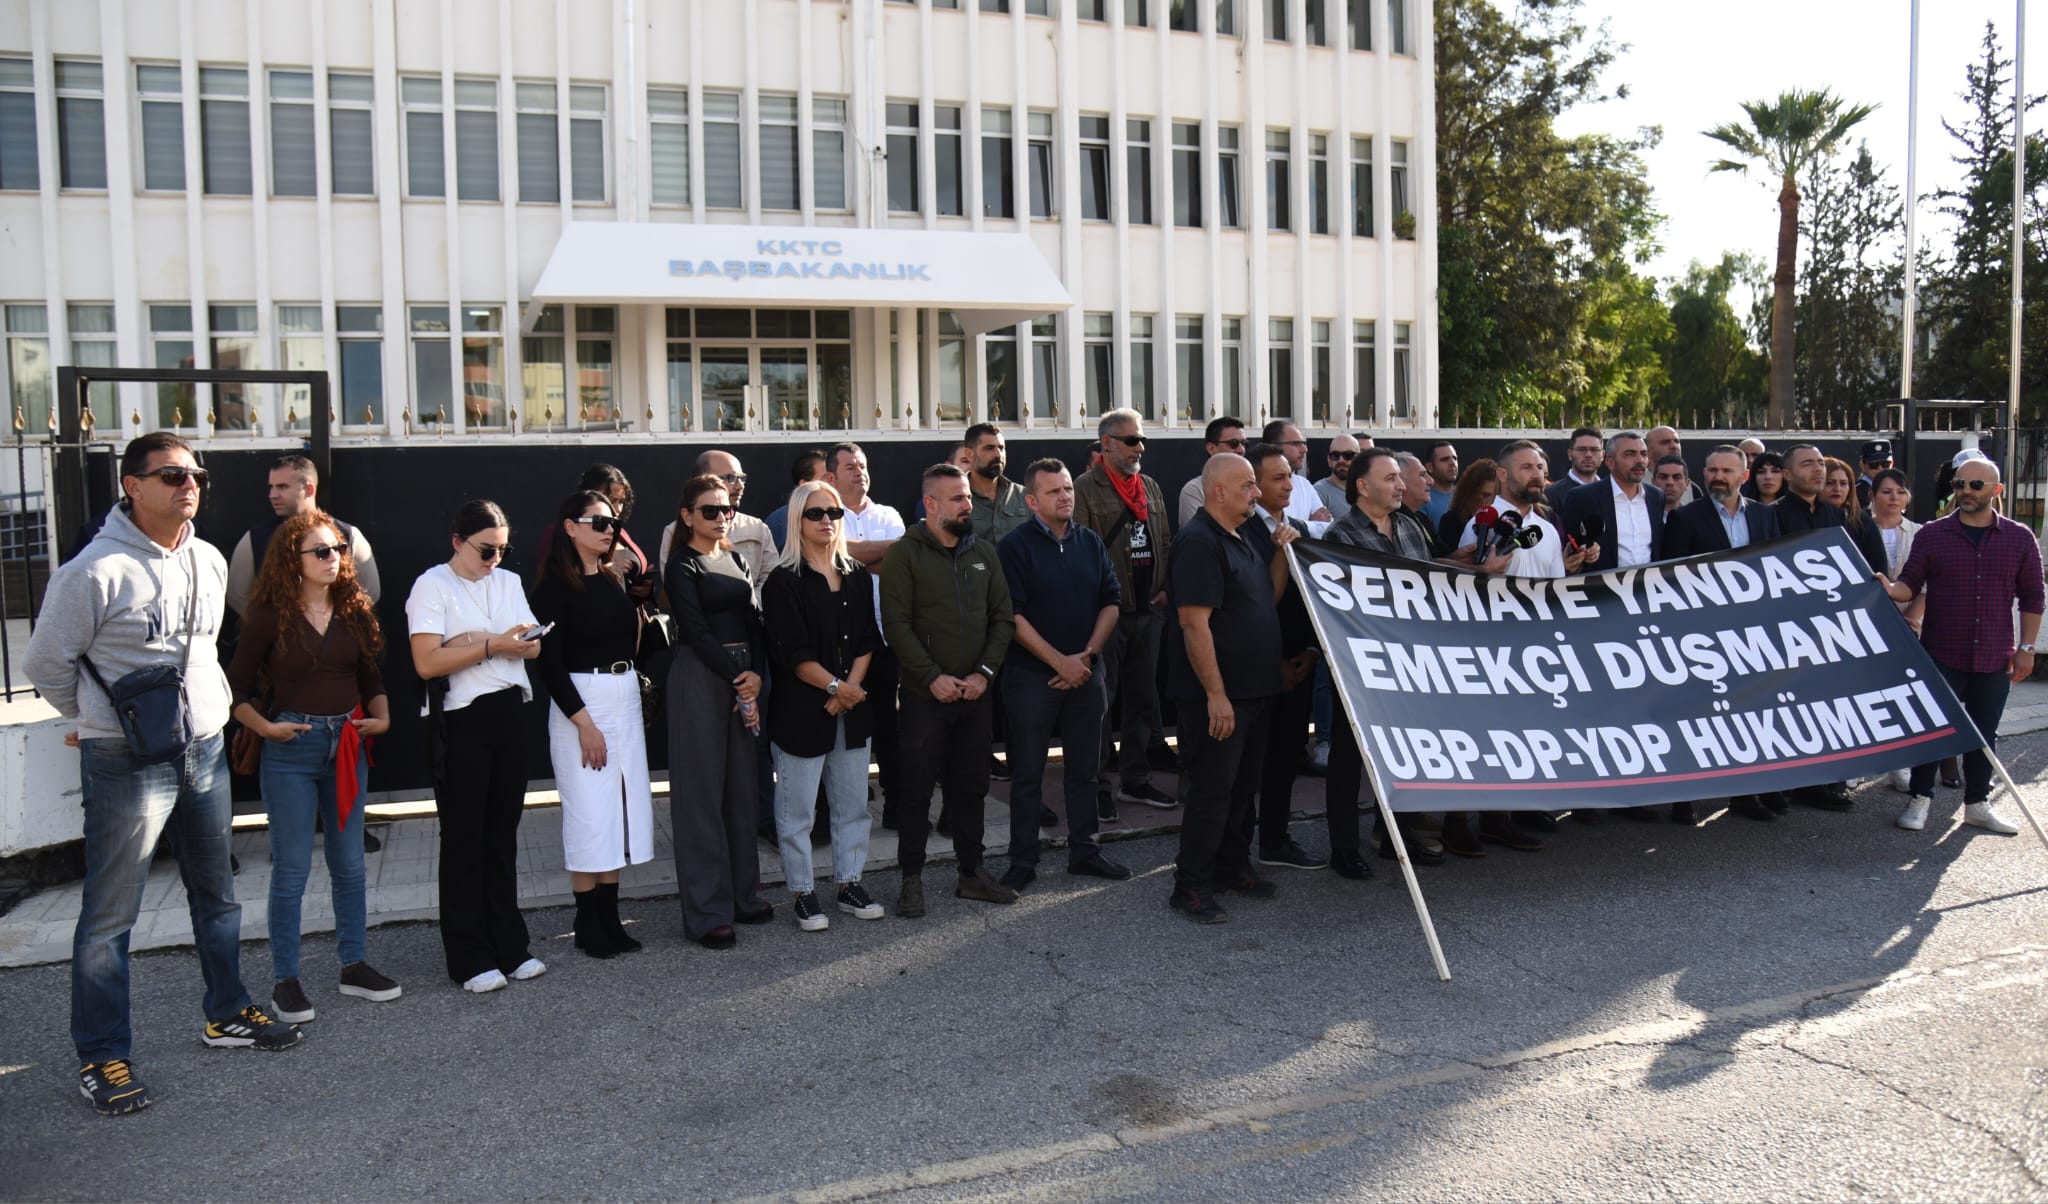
(1822, 1008)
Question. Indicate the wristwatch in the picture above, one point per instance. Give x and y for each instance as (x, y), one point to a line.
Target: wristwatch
(2026, 648)
(832, 687)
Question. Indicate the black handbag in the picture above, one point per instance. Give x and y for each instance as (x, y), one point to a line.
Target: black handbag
(656, 653)
(155, 715)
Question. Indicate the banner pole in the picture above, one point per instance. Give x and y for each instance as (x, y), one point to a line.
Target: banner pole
(1372, 776)
(2025, 810)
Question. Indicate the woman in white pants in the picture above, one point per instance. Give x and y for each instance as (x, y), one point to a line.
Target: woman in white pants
(820, 614)
(595, 737)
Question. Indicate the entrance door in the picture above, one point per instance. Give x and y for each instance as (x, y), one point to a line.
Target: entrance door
(785, 380)
(727, 375)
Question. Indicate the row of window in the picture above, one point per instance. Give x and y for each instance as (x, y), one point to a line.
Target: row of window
(1188, 16)
(433, 109)
(727, 369)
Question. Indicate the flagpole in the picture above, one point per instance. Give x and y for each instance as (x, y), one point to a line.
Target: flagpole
(1379, 792)
(2016, 797)
(1912, 204)
(2019, 217)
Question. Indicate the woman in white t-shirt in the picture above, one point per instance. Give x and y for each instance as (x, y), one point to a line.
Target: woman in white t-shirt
(467, 622)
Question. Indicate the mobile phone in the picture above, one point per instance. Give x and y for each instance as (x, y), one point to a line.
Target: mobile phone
(536, 633)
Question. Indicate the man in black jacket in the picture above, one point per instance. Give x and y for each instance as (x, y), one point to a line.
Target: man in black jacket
(1723, 519)
(1631, 517)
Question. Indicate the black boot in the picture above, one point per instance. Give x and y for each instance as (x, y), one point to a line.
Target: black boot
(608, 903)
(593, 936)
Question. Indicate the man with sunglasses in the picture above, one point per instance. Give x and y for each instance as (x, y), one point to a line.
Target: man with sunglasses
(1343, 450)
(294, 482)
(146, 593)
(1976, 566)
(1305, 504)
(1127, 509)
(1225, 434)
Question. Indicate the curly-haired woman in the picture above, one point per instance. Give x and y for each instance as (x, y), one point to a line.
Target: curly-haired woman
(310, 642)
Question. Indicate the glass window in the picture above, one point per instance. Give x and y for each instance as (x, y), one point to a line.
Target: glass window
(777, 134)
(431, 395)
(1187, 173)
(1361, 188)
(1280, 368)
(1038, 162)
(483, 366)
(1315, 22)
(724, 175)
(351, 139)
(1279, 199)
(1098, 363)
(171, 346)
(951, 389)
(1397, 176)
(586, 144)
(1000, 370)
(30, 377)
(476, 140)
(1141, 365)
(1226, 17)
(668, 148)
(1397, 26)
(19, 169)
(540, 162)
(541, 364)
(1038, 8)
(425, 164)
(998, 173)
(361, 334)
(163, 128)
(224, 131)
(1358, 16)
(1319, 372)
(1092, 10)
(292, 170)
(597, 332)
(1276, 20)
(1190, 403)
(835, 370)
(1227, 190)
(92, 346)
(1180, 15)
(1045, 368)
(830, 139)
(81, 125)
(947, 159)
(232, 331)
(1403, 371)
(1230, 372)
(995, 6)
(301, 348)
(1318, 184)
(1364, 374)
(681, 380)
(1095, 169)
(902, 155)
(1138, 12)
(1138, 169)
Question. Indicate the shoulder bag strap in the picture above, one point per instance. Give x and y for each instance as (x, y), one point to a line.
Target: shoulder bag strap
(191, 608)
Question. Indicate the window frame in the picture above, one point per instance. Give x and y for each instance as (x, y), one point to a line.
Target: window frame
(67, 94)
(147, 97)
(672, 113)
(31, 176)
(212, 97)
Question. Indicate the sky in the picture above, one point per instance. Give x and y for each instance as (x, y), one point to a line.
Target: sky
(1689, 66)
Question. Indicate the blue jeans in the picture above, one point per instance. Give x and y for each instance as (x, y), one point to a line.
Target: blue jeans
(845, 772)
(298, 787)
(127, 807)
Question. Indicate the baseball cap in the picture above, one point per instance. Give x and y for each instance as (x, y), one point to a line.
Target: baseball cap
(1876, 449)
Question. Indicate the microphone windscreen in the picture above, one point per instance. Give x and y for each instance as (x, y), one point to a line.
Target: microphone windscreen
(1486, 516)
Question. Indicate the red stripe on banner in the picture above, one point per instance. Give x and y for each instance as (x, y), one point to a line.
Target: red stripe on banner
(1680, 777)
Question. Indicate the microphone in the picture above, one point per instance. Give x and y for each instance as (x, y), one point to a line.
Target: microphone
(1507, 531)
(1528, 537)
(1483, 522)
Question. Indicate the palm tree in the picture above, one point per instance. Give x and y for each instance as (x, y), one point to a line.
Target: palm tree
(1787, 135)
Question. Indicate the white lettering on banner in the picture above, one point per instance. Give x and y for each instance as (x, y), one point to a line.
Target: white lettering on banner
(1714, 657)
(1446, 597)
(1471, 669)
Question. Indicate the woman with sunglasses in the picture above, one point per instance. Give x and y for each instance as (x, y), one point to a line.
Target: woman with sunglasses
(595, 736)
(822, 635)
(470, 630)
(310, 641)
(714, 720)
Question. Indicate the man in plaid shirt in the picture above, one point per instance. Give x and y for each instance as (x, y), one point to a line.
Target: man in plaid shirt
(1975, 564)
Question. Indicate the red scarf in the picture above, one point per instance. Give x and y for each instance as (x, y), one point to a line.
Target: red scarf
(347, 786)
(1131, 489)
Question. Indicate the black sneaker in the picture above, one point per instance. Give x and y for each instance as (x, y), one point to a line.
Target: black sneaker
(1017, 877)
(289, 1000)
(809, 915)
(1105, 807)
(1291, 855)
(112, 1087)
(252, 1028)
(370, 842)
(998, 768)
(361, 980)
(1196, 906)
(1251, 886)
(1148, 794)
(855, 901)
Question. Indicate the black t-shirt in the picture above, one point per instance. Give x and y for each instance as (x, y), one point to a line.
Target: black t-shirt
(1218, 569)
(1296, 632)
(1138, 541)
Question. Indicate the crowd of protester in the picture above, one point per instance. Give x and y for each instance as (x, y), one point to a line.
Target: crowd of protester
(778, 659)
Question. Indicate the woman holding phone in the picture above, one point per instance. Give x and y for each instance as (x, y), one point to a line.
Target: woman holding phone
(311, 643)
(595, 738)
(469, 628)
(714, 720)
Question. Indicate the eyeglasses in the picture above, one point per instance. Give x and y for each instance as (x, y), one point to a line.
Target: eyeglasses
(1974, 485)
(1301, 443)
(175, 475)
(819, 513)
(1232, 444)
(1129, 440)
(599, 523)
(714, 513)
(488, 552)
(1343, 455)
(325, 550)
(735, 479)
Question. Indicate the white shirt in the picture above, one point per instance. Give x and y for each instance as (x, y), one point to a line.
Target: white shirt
(1632, 526)
(444, 604)
(873, 521)
(1305, 501)
(1546, 559)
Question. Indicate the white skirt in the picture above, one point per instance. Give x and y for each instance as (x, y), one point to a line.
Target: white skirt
(607, 814)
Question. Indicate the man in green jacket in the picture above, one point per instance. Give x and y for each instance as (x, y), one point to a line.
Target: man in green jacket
(946, 615)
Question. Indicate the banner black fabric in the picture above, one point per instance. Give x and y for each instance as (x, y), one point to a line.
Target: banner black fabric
(1763, 668)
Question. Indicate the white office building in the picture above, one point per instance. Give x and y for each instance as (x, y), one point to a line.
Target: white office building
(510, 219)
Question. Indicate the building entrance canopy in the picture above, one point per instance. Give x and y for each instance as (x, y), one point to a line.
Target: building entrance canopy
(988, 280)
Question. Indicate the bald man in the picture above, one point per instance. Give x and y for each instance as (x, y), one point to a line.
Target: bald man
(1663, 441)
(1342, 453)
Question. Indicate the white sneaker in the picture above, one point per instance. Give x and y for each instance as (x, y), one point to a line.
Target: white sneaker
(1914, 817)
(532, 967)
(489, 980)
(1980, 815)
(1902, 780)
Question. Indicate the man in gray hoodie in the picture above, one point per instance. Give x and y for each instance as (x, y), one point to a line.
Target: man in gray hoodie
(123, 603)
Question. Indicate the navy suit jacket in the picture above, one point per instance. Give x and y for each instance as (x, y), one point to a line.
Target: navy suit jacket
(1598, 499)
(1695, 527)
